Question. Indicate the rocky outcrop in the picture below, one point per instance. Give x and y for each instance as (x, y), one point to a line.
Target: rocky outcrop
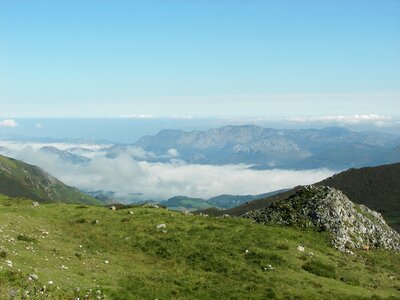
(325, 208)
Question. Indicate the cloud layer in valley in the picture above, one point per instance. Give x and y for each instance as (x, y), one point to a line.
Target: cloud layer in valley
(158, 181)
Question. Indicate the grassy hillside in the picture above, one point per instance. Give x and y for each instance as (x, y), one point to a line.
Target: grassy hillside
(95, 251)
(376, 187)
(19, 179)
(186, 203)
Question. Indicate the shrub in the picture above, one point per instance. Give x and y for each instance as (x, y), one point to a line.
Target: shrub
(321, 269)
(26, 238)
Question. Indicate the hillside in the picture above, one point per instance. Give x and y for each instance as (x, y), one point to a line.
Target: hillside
(19, 179)
(186, 203)
(66, 251)
(219, 202)
(349, 225)
(265, 148)
(376, 187)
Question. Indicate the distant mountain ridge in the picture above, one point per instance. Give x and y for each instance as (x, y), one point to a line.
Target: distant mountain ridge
(335, 148)
(19, 179)
(224, 201)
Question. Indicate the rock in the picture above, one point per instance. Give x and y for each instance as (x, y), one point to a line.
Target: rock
(106, 262)
(50, 282)
(35, 204)
(33, 277)
(113, 207)
(300, 248)
(350, 225)
(161, 226)
(151, 205)
(186, 212)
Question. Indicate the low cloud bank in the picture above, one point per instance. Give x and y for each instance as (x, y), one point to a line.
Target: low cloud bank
(158, 181)
(8, 123)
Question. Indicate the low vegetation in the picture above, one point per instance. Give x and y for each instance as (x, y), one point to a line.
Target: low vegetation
(62, 251)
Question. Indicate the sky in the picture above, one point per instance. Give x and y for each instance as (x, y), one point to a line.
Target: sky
(178, 59)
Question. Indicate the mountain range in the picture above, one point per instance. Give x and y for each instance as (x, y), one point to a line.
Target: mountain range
(335, 148)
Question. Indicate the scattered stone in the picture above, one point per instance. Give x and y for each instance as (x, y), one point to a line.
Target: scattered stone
(33, 277)
(9, 263)
(113, 207)
(161, 226)
(106, 262)
(35, 204)
(131, 212)
(50, 282)
(247, 251)
(186, 212)
(151, 205)
(301, 248)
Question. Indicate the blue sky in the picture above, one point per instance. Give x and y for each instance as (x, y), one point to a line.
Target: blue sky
(199, 58)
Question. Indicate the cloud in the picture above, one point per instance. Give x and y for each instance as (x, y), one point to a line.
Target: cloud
(163, 180)
(378, 120)
(173, 152)
(8, 123)
(140, 116)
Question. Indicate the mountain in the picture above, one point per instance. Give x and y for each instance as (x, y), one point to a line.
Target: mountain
(376, 187)
(69, 251)
(349, 225)
(185, 203)
(218, 202)
(335, 148)
(19, 179)
(65, 155)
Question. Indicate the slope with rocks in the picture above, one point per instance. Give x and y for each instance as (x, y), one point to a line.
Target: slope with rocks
(376, 187)
(349, 225)
(19, 179)
(69, 251)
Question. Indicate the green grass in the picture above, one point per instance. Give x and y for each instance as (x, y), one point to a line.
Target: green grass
(125, 256)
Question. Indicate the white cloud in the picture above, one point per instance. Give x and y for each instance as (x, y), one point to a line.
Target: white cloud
(140, 116)
(8, 123)
(378, 120)
(173, 152)
(164, 180)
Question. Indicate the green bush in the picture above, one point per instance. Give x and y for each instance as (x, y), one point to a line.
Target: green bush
(26, 238)
(320, 268)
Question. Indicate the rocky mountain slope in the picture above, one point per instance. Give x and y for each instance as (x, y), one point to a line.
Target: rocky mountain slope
(376, 187)
(19, 179)
(349, 225)
(335, 148)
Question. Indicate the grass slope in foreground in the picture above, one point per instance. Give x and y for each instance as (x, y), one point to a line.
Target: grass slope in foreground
(123, 255)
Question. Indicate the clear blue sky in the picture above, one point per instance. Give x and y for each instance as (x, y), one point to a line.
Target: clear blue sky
(199, 58)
